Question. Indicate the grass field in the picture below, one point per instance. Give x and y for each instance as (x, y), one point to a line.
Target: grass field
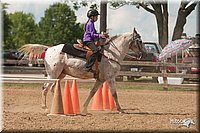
(119, 86)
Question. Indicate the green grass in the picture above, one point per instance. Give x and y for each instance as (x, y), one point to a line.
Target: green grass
(22, 85)
(118, 86)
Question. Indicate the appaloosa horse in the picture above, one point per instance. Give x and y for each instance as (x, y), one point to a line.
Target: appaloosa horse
(59, 64)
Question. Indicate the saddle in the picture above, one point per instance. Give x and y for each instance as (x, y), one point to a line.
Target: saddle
(80, 50)
(80, 46)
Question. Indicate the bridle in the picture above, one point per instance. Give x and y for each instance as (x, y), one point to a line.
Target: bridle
(137, 41)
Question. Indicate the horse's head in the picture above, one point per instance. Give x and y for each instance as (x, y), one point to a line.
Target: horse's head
(136, 45)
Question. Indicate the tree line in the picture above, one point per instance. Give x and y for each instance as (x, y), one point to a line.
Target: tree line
(57, 26)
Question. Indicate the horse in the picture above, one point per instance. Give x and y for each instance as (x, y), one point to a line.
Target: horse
(59, 64)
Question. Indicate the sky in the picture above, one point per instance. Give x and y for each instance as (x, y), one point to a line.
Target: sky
(119, 21)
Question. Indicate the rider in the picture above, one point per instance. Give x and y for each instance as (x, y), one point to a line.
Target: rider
(90, 37)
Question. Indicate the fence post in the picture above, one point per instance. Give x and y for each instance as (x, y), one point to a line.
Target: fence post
(165, 86)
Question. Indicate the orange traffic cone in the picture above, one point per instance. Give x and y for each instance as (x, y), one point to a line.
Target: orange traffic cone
(67, 101)
(75, 100)
(97, 100)
(105, 96)
(57, 104)
(111, 101)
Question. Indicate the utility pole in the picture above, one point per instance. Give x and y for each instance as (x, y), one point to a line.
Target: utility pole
(103, 15)
(198, 24)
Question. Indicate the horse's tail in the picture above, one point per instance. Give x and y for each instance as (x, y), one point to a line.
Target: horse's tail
(32, 50)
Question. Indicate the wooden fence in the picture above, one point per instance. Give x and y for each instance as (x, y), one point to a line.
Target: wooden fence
(162, 65)
(180, 66)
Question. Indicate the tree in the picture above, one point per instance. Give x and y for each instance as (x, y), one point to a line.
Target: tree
(161, 14)
(185, 9)
(22, 29)
(6, 27)
(59, 25)
(159, 9)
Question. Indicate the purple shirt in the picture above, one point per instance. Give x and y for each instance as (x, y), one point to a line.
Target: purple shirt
(90, 32)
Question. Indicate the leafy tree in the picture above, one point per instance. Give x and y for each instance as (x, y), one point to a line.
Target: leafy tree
(84, 3)
(22, 29)
(59, 25)
(6, 27)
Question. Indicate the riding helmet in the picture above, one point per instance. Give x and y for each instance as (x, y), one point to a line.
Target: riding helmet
(92, 12)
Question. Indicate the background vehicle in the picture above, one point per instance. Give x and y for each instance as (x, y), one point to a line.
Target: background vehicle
(153, 51)
(190, 56)
(192, 60)
(16, 58)
(11, 55)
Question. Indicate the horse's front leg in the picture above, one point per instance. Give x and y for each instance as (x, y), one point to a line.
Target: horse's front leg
(97, 84)
(111, 84)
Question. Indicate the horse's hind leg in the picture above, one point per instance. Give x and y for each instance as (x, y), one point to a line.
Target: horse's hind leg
(45, 89)
(97, 84)
(50, 86)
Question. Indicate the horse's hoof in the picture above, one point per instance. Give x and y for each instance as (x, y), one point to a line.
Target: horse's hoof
(46, 111)
(84, 112)
(44, 107)
(121, 111)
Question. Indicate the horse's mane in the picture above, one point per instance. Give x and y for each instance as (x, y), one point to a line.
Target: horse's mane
(115, 36)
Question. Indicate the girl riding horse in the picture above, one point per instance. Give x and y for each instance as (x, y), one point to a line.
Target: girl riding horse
(90, 37)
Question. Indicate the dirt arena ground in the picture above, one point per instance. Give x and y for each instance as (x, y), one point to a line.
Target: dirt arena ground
(147, 110)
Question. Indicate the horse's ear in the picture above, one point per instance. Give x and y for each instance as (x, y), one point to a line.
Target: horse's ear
(134, 30)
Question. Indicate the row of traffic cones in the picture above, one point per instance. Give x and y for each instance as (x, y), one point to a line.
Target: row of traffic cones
(69, 103)
(103, 99)
(70, 99)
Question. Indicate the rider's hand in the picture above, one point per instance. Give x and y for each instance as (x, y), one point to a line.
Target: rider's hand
(99, 47)
(104, 35)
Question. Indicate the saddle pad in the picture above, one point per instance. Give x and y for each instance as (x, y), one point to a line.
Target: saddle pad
(69, 49)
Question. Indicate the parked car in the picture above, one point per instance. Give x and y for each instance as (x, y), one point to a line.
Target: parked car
(11, 57)
(192, 57)
(192, 60)
(11, 54)
(153, 51)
